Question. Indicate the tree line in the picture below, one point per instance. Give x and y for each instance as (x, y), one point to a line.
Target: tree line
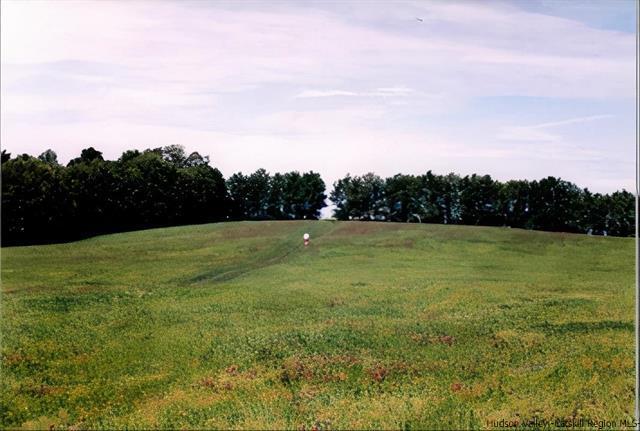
(549, 204)
(44, 201)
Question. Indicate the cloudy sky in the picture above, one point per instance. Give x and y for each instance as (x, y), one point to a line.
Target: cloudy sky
(520, 89)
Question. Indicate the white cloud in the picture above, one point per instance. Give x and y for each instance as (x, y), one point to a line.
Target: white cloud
(516, 133)
(324, 93)
(571, 121)
(379, 92)
(395, 91)
(293, 86)
(536, 133)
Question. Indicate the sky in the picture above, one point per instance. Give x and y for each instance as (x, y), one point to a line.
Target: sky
(518, 90)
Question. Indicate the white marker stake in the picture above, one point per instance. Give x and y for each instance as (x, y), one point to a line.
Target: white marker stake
(306, 239)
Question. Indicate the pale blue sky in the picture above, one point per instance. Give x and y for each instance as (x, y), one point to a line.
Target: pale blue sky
(521, 89)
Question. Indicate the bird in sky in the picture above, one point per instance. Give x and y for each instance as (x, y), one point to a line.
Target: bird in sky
(419, 19)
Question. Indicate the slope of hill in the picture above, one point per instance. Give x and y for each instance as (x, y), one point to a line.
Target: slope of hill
(238, 325)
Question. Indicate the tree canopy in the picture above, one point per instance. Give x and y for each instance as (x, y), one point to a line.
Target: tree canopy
(548, 204)
(44, 201)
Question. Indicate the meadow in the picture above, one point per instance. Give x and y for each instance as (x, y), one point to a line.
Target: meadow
(373, 325)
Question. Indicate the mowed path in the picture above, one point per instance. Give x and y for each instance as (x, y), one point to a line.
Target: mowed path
(383, 325)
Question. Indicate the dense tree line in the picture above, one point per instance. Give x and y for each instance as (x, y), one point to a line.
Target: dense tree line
(43, 201)
(289, 196)
(549, 204)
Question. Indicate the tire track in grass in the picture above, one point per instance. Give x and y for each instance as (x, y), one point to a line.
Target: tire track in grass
(279, 253)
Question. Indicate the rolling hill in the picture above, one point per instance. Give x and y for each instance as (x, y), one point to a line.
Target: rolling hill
(383, 325)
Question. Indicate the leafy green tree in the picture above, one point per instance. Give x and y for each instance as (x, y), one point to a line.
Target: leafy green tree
(288, 196)
(5, 156)
(278, 205)
(426, 203)
(89, 185)
(50, 157)
(622, 213)
(513, 198)
(175, 155)
(360, 198)
(33, 201)
(439, 199)
(195, 159)
(309, 197)
(201, 195)
(150, 191)
(86, 156)
(403, 193)
(250, 195)
(555, 205)
(129, 155)
(479, 201)
(340, 197)
(594, 217)
(258, 195)
(238, 187)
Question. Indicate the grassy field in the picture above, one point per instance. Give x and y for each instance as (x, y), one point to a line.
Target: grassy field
(382, 325)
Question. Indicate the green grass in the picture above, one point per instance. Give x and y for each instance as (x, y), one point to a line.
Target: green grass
(374, 325)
